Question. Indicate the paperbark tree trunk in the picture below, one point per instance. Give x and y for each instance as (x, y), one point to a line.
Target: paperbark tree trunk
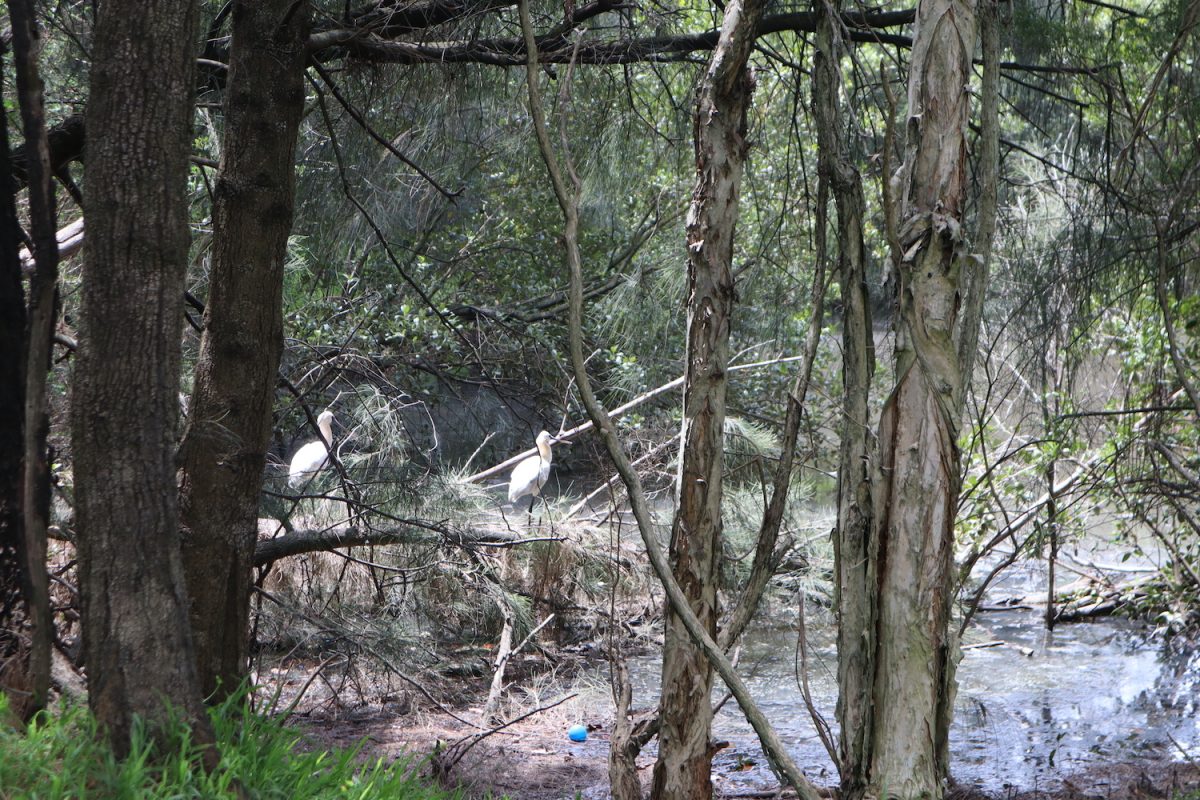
(915, 488)
(225, 446)
(684, 765)
(895, 540)
(125, 403)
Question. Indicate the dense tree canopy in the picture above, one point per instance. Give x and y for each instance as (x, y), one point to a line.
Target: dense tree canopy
(966, 253)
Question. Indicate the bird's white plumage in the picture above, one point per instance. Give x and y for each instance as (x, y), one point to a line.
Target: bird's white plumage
(312, 457)
(529, 476)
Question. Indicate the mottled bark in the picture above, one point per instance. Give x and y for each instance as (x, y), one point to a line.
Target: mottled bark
(684, 766)
(42, 315)
(855, 549)
(230, 419)
(125, 403)
(915, 488)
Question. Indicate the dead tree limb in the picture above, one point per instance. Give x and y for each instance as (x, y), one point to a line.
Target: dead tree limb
(398, 532)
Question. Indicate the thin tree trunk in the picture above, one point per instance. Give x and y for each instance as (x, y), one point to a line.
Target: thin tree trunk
(43, 313)
(125, 402)
(568, 200)
(224, 450)
(623, 748)
(855, 550)
(976, 270)
(1052, 558)
(684, 766)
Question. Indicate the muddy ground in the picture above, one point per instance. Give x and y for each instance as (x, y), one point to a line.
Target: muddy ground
(533, 759)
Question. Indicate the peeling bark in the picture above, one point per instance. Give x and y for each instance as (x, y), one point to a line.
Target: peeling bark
(684, 766)
(895, 540)
(915, 487)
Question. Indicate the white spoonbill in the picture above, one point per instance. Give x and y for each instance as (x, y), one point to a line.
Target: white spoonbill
(310, 458)
(529, 476)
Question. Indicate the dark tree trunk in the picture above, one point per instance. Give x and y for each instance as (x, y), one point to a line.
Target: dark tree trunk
(226, 442)
(13, 656)
(43, 313)
(684, 766)
(125, 402)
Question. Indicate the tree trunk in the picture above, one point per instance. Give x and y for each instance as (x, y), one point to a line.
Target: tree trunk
(568, 200)
(855, 549)
(43, 313)
(13, 585)
(684, 766)
(125, 401)
(916, 485)
(226, 442)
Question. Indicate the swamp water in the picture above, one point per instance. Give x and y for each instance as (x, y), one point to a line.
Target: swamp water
(1029, 711)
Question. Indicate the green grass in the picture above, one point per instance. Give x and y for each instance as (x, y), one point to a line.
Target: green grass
(62, 757)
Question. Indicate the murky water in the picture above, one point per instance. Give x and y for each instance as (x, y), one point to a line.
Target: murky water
(1033, 709)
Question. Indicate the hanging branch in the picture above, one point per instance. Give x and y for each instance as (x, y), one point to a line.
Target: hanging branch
(569, 204)
(357, 116)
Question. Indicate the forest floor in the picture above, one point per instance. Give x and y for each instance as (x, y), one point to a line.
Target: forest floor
(533, 759)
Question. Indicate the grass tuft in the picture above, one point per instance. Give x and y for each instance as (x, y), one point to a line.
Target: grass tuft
(62, 756)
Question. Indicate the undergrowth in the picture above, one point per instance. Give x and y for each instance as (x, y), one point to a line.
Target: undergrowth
(62, 756)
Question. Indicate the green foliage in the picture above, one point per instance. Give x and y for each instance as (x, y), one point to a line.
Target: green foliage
(62, 756)
(742, 509)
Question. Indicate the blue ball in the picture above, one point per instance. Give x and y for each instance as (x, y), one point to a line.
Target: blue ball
(577, 733)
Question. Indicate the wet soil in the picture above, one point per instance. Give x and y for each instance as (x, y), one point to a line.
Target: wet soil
(533, 759)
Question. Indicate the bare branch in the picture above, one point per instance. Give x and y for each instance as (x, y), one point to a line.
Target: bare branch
(398, 532)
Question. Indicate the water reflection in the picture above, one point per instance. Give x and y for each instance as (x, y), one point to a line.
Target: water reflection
(1034, 708)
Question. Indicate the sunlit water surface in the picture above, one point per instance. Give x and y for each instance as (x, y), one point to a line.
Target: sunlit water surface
(1036, 708)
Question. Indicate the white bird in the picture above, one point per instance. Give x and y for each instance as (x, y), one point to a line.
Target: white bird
(312, 457)
(531, 474)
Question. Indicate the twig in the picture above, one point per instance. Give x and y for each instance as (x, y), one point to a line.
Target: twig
(455, 752)
(822, 727)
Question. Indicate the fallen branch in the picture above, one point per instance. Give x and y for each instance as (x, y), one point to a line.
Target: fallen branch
(302, 541)
(503, 654)
(69, 238)
(615, 413)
